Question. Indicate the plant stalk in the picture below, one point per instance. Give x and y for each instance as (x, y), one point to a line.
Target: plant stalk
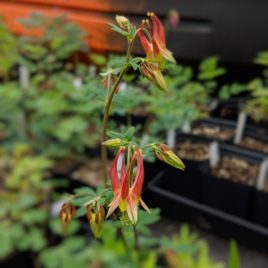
(107, 110)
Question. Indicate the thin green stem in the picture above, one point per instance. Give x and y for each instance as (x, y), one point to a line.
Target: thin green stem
(105, 124)
(108, 103)
(136, 244)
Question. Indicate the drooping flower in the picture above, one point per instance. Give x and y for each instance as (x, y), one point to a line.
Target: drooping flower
(165, 154)
(154, 45)
(67, 213)
(127, 192)
(96, 219)
(153, 74)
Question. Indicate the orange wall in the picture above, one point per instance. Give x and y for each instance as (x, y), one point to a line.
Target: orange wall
(100, 37)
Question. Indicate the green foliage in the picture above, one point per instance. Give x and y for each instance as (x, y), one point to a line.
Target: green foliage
(58, 39)
(234, 261)
(8, 49)
(209, 69)
(186, 101)
(230, 90)
(23, 201)
(31, 115)
(262, 58)
(72, 252)
(257, 105)
(187, 250)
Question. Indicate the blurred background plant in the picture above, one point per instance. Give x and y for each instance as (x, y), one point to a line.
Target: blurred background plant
(189, 97)
(24, 195)
(8, 51)
(257, 105)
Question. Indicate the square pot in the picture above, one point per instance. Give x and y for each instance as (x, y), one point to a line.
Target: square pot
(258, 134)
(261, 208)
(227, 195)
(211, 219)
(222, 124)
(187, 182)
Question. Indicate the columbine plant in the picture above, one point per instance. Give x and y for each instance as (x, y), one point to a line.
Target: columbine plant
(120, 199)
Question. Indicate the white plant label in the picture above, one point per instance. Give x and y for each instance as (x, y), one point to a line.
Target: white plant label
(263, 173)
(240, 127)
(186, 128)
(24, 77)
(77, 82)
(214, 154)
(171, 138)
(92, 70)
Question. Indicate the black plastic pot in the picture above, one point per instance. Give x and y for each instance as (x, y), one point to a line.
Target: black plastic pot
(150, 170)
(20, 259)
(228, 109)
(223, 224)
(226, 195)
(259, 134)
(188, 182)
(216, 122)
(261, 208)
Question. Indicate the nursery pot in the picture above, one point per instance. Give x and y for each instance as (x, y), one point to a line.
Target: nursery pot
(224, 127)
(225, 194)
(261, 208)
(228, 109)
(211, 219)
(259, 135)
(187, 182)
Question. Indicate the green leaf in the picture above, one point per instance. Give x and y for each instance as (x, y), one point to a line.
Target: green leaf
(118, 30)
(234, 261)
(98, 59)
(33, 216)
(6, 245)
(130, 133)
(82, 211)
(56, 227)
(262, 58)
(84, 190)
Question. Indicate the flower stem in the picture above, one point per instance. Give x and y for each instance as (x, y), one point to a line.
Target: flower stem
(108, 103)
(105, 123)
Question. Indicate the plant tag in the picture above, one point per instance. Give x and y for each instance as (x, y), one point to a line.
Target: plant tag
(214, 154)
(24, 77)
(186, 128)
(171, 138)
(92, 71)
(77, 82)
(263, 173)
(122, 86)
(240, 127)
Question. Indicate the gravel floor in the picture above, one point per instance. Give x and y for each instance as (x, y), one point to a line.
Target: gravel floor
(218, 246)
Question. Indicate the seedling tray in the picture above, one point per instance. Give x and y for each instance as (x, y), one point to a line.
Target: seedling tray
(188, 182)
(224, 224)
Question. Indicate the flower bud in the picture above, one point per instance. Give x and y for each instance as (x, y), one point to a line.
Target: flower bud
(123, 22)
(67, 213)
(153, 74)
(165, 154)
(113, 143)
(96, 220)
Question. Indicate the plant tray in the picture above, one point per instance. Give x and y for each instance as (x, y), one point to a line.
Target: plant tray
(224, 224)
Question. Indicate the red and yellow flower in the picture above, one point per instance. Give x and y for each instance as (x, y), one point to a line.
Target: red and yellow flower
(127, 191)
(153, 40)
